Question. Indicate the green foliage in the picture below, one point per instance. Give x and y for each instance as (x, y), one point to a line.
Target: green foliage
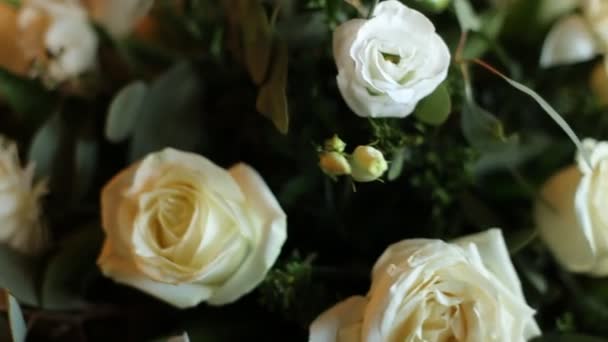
(289, 289)
(124, 110)
(18, 275)
(170, 114)
(435, 108)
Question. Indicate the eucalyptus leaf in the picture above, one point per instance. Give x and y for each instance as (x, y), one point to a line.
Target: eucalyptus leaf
(467, 18)
(483, 130)
(124, 110)
(65, 274)
(18, 275)
(272, 97)
(87, 152)
(171, 113)
(45, 146)
(512, 155)
(15, 317)
(20, 93)
(435, 108)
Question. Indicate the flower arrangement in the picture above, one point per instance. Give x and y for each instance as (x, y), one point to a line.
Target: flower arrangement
(303, 170)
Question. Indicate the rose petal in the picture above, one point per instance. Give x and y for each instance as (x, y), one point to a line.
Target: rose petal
(326, 328)
(269, 223)
(123, 271)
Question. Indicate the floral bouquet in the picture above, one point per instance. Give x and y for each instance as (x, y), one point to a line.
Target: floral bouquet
(304, 170)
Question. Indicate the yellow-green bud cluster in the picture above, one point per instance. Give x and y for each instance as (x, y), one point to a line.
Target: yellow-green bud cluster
(366, 163)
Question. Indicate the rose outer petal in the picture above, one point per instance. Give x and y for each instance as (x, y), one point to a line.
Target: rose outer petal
(269, 223)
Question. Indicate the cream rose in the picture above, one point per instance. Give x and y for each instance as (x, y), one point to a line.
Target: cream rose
(118, 16)
(390, 62)
(572, 216)
(185, 230)
(20, 221)
(429, 290)
(56, 34)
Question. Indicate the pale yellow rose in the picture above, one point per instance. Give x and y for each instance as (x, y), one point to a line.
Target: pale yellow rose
(21, 226)
(572, 214)
(186, 231)
(429, 290)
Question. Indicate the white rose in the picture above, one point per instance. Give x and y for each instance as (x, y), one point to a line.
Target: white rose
(429, 290)
(572, 216)
(20, 223)
(390, 62)
(118, 16)
(62, 40)
(185, 230)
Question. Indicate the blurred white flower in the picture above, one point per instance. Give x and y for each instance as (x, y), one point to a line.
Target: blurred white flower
(572, 216)
(390, 62)
(21, 226)
(58, 37)
(118, 16)
(576, 37)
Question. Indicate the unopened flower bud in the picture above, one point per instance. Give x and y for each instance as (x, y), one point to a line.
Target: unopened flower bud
(368, 164)
(334, 164)
(334, 144)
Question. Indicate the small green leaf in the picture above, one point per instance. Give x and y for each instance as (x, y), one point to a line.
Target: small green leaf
(124, 110)
(257, 39)
(45, 146)
(467, 18)
(435, 108)
(65, 274)
(19, 93)
(397, 161)
(18, 275)
(272, 98)
(482, 129)
(15, 317)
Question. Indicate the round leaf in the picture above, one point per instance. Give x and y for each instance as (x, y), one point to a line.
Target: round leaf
(435, 108)
(124, 111)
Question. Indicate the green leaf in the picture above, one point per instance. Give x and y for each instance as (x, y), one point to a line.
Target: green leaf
(18, 275)
(45, 146)
(171, 113)
(397, 161)
(482, 129)
(257, 39)
(15, 317)
(20, 94)
(435, 108)
(568, 338)
(553, 114)
(468, 20)
(272, 98)
(518, 240)
(87, 152)
(512, 155)
(124, 111)
(66, 273)
(304, 30)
